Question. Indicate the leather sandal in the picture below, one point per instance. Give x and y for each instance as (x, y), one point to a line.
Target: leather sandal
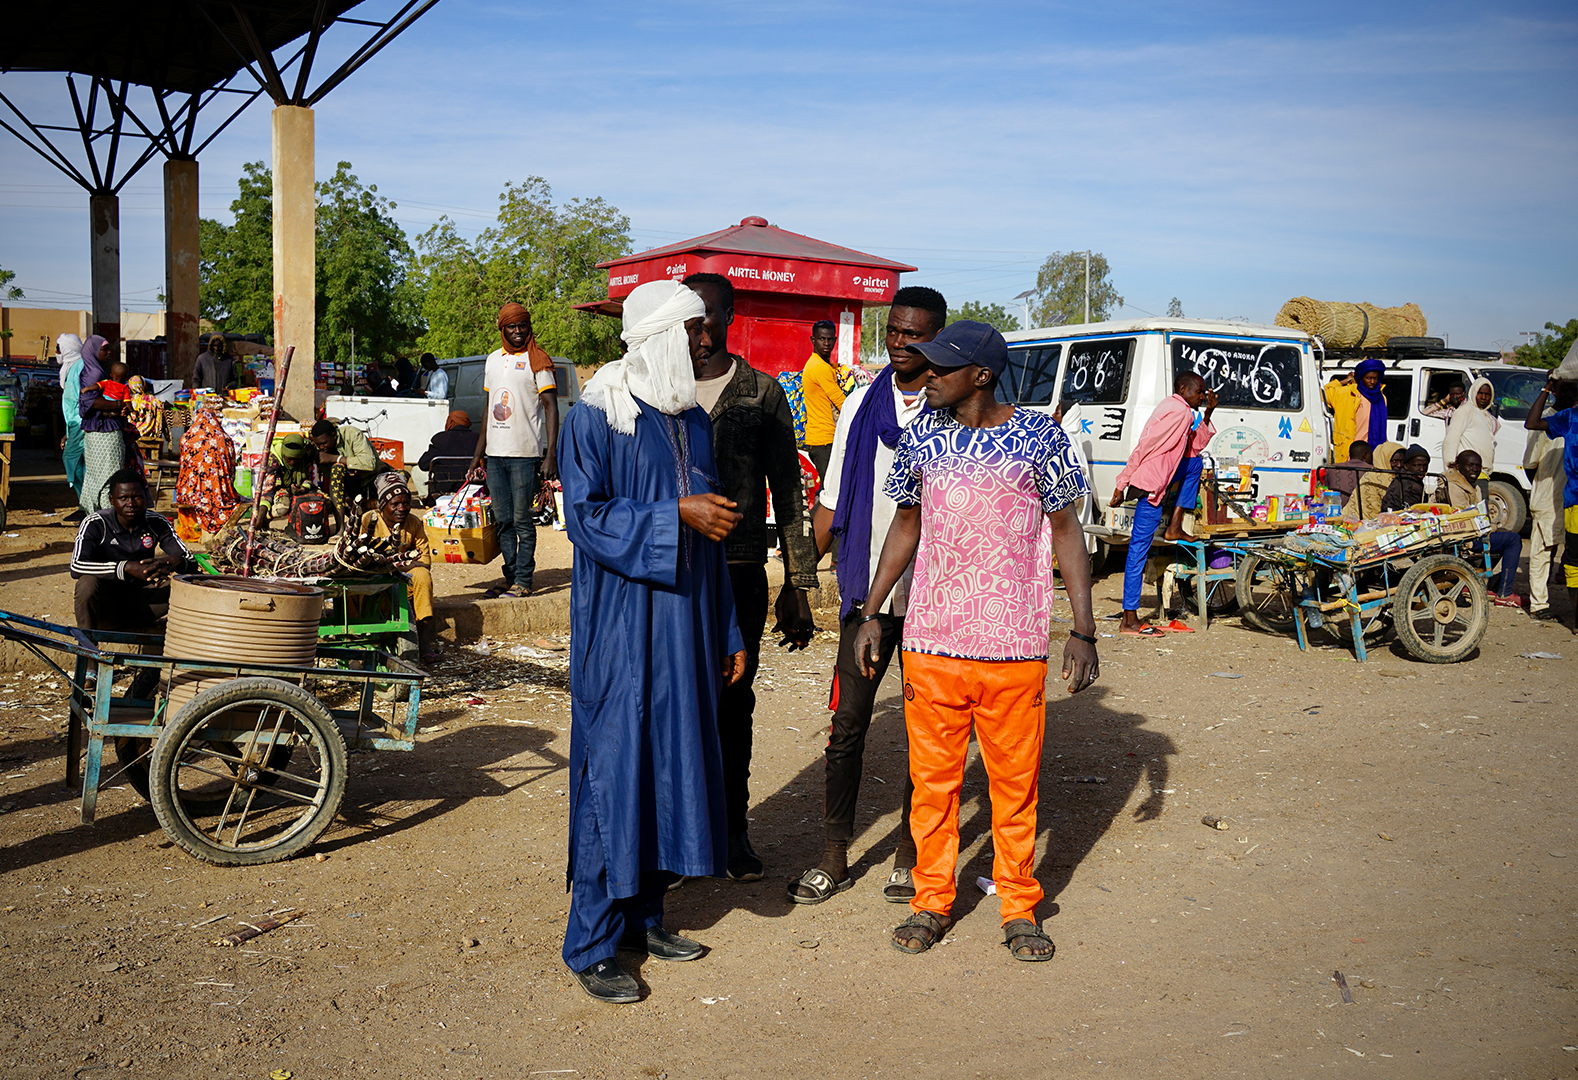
(1019, 936)
(819, 886)
(900, 888)
(919, 932)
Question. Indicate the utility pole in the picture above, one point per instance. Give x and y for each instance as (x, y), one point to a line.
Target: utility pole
(1087, 285)
(1024, 300)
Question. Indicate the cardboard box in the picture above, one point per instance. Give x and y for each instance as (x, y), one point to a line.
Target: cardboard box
(390, 451)
(480, 546)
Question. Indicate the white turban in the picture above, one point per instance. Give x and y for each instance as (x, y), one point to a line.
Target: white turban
(658, 368)
(70, 346)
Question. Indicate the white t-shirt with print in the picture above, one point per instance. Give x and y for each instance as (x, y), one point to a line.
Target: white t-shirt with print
(514, 392)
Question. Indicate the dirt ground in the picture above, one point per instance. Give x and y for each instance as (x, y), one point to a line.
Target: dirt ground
(1402, 823)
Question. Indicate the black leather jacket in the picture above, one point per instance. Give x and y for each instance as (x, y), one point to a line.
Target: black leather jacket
(753, 442)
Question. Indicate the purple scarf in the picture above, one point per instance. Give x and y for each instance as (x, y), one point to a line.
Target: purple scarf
(93, 373)
(1377, 399)
(877, 418)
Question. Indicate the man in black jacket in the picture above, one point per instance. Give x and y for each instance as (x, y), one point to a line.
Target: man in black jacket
(754, 444)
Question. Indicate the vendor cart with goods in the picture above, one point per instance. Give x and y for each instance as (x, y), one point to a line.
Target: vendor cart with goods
(1422, 571)
(234, 723)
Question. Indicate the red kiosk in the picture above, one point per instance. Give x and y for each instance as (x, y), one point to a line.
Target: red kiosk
(783, 283)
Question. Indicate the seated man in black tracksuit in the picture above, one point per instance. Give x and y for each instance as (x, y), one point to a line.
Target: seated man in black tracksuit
(123, 560)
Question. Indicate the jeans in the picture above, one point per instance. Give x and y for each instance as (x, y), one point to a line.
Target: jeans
(737, 703)
(854, 697)
(512, 485)
(1508, 547)
(1147, 519)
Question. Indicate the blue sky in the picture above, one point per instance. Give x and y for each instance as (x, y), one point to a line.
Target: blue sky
(1232, 155)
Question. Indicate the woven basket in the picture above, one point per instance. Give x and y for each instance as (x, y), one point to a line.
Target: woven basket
(1352, 326)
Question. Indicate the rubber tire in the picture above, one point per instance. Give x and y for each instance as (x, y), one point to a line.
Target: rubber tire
(1252, 612)
(1511, 496)
(1479, 615)
(195, 713)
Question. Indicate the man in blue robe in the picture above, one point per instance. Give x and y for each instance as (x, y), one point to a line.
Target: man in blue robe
(653, 637)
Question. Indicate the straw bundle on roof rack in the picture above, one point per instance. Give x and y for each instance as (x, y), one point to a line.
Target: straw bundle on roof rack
(1350, 326)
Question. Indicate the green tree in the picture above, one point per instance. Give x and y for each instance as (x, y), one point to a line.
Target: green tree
(538, 254)
(6, 278)
(1059, 298)
(991, 314)
(1174, 309)
(1547, 350)
(363, 267)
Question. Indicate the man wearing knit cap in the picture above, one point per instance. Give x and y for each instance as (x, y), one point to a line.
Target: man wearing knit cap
(519, 432)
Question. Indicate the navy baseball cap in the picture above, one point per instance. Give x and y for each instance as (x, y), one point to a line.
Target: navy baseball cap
(966, 342)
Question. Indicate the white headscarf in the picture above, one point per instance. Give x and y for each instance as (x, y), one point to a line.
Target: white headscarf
(70, 346)
(658, 368)
(1472, 428)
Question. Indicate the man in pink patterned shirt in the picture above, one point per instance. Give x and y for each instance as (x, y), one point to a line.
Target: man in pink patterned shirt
(986, 494)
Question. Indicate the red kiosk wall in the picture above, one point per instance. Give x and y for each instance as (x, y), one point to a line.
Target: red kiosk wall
(773, 331)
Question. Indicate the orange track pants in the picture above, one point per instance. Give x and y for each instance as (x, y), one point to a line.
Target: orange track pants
(1005, 702)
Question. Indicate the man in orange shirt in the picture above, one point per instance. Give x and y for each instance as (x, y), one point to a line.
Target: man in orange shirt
(822, 393)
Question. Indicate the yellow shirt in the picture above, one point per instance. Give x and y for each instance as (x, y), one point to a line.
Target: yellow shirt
(1344, 399)
(413, 534)
(822, 396)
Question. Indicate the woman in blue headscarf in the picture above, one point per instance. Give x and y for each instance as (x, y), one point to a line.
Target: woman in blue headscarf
(102, 443)
(1370, 423)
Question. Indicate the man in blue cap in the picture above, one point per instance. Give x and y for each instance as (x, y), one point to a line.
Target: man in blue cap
(987, 493)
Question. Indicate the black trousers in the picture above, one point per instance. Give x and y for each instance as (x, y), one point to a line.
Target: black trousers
(737, 703)
(846, 744)
(107, 603)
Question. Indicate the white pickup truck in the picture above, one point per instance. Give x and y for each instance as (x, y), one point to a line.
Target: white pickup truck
(1418, 375)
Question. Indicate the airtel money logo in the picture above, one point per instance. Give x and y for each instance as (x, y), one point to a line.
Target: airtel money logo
(871, 284)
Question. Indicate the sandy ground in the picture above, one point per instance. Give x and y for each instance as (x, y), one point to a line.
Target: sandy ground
(1402, 823)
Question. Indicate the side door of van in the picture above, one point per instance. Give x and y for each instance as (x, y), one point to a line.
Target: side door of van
(1431, 383)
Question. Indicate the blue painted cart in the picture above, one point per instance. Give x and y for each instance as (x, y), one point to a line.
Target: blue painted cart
(252, 769)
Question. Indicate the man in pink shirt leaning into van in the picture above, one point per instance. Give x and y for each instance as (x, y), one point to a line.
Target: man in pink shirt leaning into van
(1168, 452)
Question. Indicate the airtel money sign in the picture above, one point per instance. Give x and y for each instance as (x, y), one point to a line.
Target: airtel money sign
(753, 273)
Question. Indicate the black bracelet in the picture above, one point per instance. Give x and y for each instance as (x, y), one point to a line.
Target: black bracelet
(862, 620)
(1081, 637)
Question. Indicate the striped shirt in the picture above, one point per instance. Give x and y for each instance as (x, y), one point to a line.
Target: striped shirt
(104, 548)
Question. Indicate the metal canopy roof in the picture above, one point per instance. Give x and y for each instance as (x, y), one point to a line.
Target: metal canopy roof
(753, 236)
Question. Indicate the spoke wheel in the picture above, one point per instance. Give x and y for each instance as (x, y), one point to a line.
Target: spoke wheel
(251, 771)
(1440, 610)
(1265, 595)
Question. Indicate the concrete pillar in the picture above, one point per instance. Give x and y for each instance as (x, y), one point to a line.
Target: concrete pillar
(104, 215)
(180, 268)
(295, 256)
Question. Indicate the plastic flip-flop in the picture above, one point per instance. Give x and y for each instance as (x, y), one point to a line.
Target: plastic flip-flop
(1144, 630)
(1178, 626)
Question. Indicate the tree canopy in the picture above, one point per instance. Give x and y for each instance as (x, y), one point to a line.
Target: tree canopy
(364, 263)
(1547, 350)
(538, 254)
(1174, 309)
(1059, 298)
(991, 314)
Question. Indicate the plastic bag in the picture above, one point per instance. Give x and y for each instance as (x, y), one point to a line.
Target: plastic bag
(1567, 370)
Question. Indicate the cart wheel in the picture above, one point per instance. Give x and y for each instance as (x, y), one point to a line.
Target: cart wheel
(251, 771)
(1440, 609)
(1265, 595)
(1220, 596)
(407, 648)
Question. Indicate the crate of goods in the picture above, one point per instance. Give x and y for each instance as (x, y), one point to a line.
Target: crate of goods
(460, 529)
(390, 451)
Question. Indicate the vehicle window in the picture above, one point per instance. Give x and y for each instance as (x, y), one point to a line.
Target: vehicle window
(1515, 391)
(1436, 384)
(1031, 375)
(1399, 392)
(1244, 374)
(1098, 371)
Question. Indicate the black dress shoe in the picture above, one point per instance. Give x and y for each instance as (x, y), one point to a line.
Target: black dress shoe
(606, 981)
(662, 945)
(744, 864)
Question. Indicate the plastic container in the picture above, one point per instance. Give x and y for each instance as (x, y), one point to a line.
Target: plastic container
(7, 416)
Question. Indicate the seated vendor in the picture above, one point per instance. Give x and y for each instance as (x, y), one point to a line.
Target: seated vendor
(449, 454)
(348, 458)
(394, 518)
(123, 560)
(1408, 486)
(1365, 502)
(287, 472)
(1344, 478)
(1460, 487)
